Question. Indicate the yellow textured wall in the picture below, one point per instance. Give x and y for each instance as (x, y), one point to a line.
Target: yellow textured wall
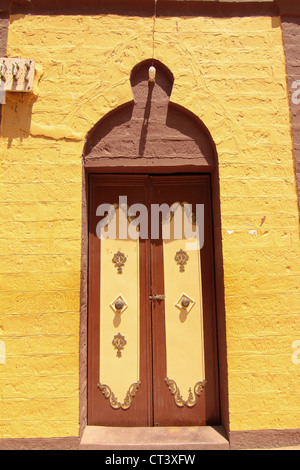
(230, 73)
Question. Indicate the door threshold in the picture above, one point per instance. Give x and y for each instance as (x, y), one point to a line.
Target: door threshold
(154, 438)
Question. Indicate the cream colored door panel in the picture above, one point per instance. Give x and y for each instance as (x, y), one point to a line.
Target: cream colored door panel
(119, 321)
(183, 321)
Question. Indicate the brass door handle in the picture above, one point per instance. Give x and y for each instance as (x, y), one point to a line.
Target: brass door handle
(119, 304)
(185, 302)
(157, 297)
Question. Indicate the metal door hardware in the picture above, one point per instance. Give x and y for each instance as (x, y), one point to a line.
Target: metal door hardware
(157, 297)
(185, 302)
(119, 304)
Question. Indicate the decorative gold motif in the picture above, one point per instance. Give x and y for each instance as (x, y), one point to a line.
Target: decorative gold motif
(119, 342)
(192, 398)
(114, 403)
(119, 261)
(181, 258)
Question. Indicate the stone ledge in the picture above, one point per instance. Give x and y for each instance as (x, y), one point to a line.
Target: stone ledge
(154, 438)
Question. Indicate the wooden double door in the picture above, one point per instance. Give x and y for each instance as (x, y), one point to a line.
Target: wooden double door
(152, 347)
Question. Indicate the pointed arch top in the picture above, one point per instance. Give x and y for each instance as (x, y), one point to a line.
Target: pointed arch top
(150, 130)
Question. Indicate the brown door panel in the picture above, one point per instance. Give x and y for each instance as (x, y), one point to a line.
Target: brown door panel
(195, 190)
(107, 189)
(153, 403)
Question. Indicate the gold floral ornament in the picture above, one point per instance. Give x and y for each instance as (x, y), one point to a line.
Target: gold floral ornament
(113, 400)
(181, 258)
(192, 397)
(119, 342)
(119, 261)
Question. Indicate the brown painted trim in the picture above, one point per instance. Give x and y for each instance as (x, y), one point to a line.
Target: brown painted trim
(4, 23)
(146, 7)
(54, 443)
(220, 299)
(5, 5)
(83, 306)
(264, 439)
(291, 40)
(220, 9)
(289, 7)
(88, 7)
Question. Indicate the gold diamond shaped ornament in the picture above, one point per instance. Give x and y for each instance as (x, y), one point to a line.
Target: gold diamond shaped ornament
(185, 303)
(119, 305)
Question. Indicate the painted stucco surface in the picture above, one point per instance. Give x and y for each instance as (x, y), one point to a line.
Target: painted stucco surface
(229, 72)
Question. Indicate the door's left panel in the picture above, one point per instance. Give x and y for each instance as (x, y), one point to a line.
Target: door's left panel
(119, 320)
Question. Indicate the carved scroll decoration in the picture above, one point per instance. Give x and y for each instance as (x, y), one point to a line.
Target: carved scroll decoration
(113, 400)
(193, 396)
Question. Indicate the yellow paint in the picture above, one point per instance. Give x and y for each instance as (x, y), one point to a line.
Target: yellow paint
(119, 373)
(184, 326)
(230, 72)
(55, 132)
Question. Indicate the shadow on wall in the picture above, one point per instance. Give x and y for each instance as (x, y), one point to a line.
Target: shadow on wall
(16, 116)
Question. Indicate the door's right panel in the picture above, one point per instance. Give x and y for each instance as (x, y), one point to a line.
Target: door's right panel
(183, 321)
(184, 331)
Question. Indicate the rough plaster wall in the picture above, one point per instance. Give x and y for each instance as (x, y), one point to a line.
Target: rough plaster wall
(230, 73)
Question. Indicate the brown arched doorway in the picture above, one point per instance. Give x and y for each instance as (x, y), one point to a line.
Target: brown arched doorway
(153, 334)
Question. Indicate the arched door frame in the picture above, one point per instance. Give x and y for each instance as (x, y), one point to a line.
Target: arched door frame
(96, 160)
